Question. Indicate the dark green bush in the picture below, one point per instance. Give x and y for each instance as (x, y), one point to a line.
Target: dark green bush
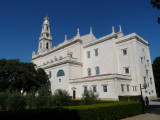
(105, 111)
(89, 97)
(15, 101)
(30, 99)
(62, 98)
(42, 97)
(130, 98)
(3, 97)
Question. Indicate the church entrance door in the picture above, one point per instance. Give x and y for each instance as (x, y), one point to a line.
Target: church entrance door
(74, 94)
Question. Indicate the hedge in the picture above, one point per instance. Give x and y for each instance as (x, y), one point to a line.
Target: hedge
(101, 111)
(130, 98)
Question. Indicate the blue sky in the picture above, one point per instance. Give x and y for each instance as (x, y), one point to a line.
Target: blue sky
(21, 22)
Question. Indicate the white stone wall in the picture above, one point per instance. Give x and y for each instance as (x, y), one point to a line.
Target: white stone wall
(110, 60)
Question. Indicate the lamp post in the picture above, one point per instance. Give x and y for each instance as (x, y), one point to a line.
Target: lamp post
(144, 87)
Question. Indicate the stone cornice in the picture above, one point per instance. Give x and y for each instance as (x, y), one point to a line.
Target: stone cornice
(100, 40)
(133, 37)
(56, 49)
(101, 77)
(60, 63)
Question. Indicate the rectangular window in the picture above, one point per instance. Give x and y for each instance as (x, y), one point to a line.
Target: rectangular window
(134, 88)
(144, 80)
(89, 72)
(50, 74)
(105, 88)
(127, 70)
(122, 87)
(96, 52)
(85, 88)
(142, 60)
(151, 81)
(148, 62)
(127, 88)
(97, 71)
(147, 73)
(124, 51)
(94, 89)
(88, 54)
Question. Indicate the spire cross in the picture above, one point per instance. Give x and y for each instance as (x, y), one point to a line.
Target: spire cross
(46, 18)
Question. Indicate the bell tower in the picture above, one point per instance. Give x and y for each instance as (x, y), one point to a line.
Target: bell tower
(45, 39)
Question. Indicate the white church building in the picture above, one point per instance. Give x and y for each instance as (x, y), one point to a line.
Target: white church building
(113, 65)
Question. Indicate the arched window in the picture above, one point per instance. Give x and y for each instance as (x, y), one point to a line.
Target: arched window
(60, 73)
(46, 45)
(97, 71)
(89, 71)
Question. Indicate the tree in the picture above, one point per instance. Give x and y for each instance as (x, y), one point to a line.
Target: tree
(89, 97)
(16, 75)
(156, 72)
(156, 3)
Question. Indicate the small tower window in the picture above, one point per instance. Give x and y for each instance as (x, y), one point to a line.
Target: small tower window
(47, 35)
(40, 45)
(47, 45)
(47, 28)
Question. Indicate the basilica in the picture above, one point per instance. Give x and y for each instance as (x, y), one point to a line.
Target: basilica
(111, 66)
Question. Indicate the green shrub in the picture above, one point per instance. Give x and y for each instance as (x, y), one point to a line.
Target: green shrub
(130, 98)
(107, 111)
(30, 99)
(42, 98)
(101, 111)
(62, 98)
(15, 101)
(3, 97)
(89, 97)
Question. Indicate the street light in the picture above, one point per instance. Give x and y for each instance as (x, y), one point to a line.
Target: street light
(144, 87)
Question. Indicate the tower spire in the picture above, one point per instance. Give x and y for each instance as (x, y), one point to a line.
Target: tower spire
(45, 39)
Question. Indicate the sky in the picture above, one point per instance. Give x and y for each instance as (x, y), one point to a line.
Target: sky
(21, 22)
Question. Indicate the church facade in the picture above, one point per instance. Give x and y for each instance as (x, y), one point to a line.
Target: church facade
(111, 66)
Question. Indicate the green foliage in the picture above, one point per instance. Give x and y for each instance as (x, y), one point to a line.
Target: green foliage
(3, 97)
(89, 97)
(130, 98)
(105, 111)
(15, 101)
(62, 98)
(16, 75)
(43, 97)
(156, 72)
(30, 99)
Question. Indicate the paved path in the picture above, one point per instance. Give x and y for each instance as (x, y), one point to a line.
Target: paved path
(152, 112)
